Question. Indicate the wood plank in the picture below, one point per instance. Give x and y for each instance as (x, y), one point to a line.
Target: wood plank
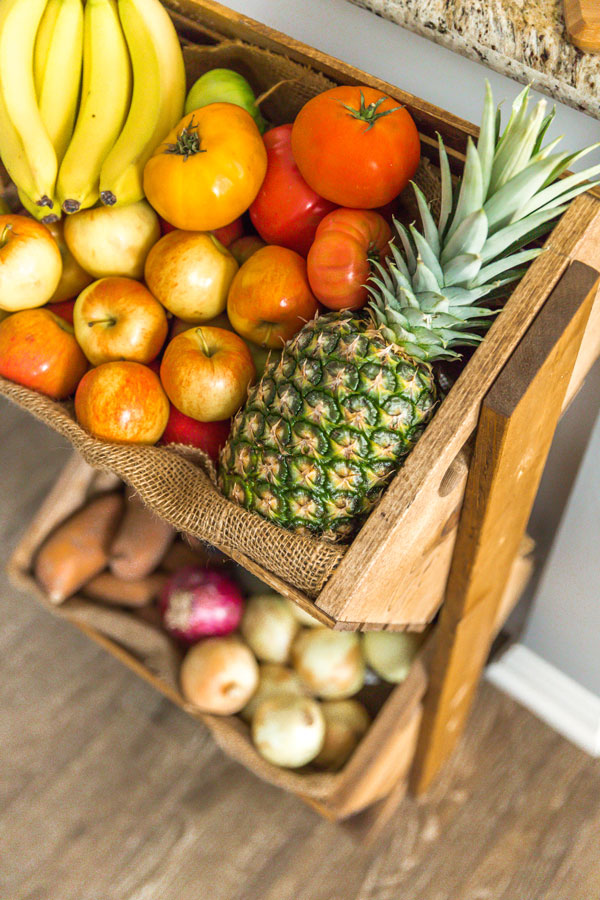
(582, 21)
(515, 431)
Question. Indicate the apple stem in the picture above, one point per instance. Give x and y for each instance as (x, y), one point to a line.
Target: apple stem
(205, 346)
(110, 322)
(6, 235)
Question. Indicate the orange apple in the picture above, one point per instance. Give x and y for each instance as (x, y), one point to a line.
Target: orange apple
(270, 298)
(73, 279)
(30, 263)
(39, 351)
(113, 240)
(190, 273)
(122, 402)
(118, 318)
(206, 373)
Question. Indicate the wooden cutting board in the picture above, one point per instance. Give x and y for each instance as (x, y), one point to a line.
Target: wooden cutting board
(582, 19)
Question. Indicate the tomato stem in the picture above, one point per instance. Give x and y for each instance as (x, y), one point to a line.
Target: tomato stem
(370, 113)
(187, 143)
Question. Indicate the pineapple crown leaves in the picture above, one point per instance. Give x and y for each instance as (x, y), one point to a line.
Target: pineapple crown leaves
(427, 296)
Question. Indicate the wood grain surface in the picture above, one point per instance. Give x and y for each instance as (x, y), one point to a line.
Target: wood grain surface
(109, 792)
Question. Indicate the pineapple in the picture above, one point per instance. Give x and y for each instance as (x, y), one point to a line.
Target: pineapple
(331, 421)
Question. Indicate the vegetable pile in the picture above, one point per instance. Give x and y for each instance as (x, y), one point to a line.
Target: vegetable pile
(301, 689)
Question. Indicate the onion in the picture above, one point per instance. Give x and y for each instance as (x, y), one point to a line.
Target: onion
(197, 603)
(288, 731)
(330, 663)
(391, 653)
(273, 681)
(219, 675)
(269, 627)
(345, 723)
(303, 617)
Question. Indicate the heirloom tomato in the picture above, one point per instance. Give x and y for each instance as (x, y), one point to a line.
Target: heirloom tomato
(356, 146)
(286, 210)
(339, 261)
(208, 170)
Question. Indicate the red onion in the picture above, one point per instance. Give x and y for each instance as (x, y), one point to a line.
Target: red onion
(197, 603)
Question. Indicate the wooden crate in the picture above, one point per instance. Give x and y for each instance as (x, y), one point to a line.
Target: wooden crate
(377, 772)
(394, 574)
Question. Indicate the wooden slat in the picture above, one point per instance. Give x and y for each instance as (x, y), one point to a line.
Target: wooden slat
(515, 431)
(396, 569)
(582, 21)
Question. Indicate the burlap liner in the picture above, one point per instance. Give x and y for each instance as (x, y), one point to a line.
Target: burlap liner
(145, 644)
(172, 483)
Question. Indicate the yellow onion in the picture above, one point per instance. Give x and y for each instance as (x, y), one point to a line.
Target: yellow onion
(269, 627)
(288, 731)
(219, 675)
(345, 723)
(391, 653)
(303, 617)
(273, 681)
(330, 663)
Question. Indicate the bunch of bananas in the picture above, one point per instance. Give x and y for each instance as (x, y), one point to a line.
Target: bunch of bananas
(87, 92)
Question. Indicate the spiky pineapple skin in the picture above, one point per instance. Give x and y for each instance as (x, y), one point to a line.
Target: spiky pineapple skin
(326, 427)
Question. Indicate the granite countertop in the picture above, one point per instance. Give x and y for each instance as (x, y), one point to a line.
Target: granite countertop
(524, 39)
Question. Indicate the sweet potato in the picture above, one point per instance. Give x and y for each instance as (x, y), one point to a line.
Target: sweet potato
(113, 591)
(180, 555)
(78, 549)
(140, 543)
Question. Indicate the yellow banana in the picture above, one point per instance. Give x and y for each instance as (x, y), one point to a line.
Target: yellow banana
(43, 39)
(105, 96)
(57, 68)
(157, 101)
(19, 21)
(12, 152)
(43, 214)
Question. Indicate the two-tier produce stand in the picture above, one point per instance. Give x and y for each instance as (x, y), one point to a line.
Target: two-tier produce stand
(448, 536)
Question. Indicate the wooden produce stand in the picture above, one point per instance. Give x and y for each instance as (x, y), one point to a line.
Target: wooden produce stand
(449, 532)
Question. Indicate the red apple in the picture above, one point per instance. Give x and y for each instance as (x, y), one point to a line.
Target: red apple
(270, 298)
(190, 273)
(229, 233)
(206, 373)
(118, 318)
(73, 279)
(244, 247)
(39, 351)
(30, 263)
(64, 309)
(207, 436)
(122, 402)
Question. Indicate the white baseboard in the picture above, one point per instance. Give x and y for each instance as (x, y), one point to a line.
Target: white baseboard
(548, 693)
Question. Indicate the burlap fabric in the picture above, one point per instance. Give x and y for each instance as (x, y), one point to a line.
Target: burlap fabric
(178, 485)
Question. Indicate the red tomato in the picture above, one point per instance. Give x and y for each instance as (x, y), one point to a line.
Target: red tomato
(339, 261)
(356, 146)
(286, 210)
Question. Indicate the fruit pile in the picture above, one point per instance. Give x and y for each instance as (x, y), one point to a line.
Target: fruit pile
(300, 688)
(243, 288)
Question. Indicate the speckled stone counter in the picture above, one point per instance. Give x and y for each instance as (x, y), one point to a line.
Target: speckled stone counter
(524, 39)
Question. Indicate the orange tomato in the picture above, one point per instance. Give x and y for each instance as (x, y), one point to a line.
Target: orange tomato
(356, 146)
(208, 170)
(270, 298)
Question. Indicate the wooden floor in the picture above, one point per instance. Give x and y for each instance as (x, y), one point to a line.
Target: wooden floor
(108, 792)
